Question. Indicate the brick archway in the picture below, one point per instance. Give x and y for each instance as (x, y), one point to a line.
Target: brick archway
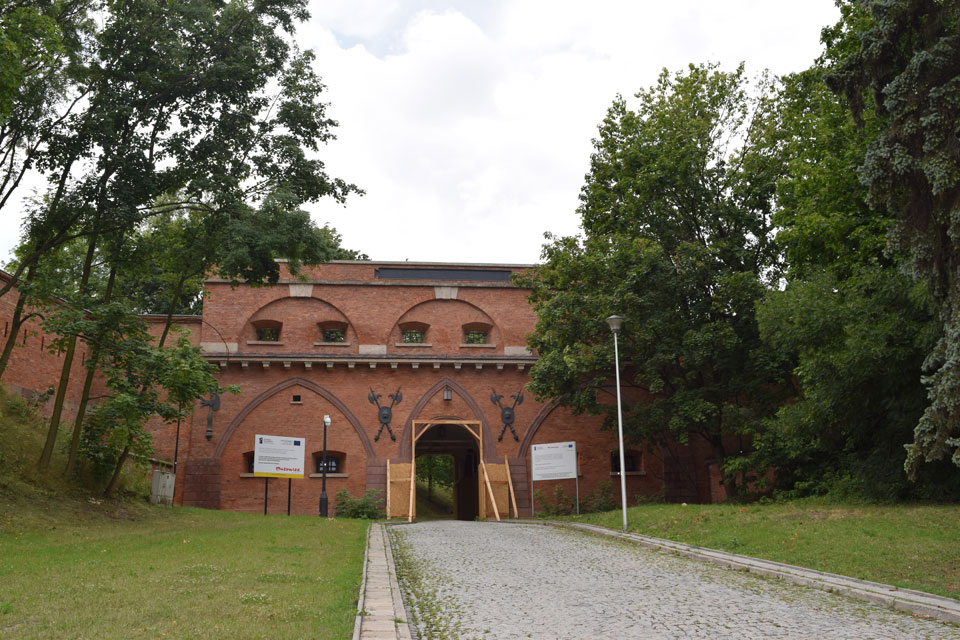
(277, 388)
(489, 445)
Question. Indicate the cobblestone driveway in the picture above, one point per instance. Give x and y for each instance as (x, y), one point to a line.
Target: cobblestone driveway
(507, 581)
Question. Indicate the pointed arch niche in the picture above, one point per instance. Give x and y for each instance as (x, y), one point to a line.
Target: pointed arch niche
(286, 384)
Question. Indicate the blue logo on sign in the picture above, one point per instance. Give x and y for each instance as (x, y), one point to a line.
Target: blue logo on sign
(296, 443)
(569, 446)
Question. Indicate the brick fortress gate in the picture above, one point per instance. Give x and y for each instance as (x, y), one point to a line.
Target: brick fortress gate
(406, 359)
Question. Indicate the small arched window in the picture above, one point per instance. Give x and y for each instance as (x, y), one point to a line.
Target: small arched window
(413, 333)
(333, 331)
(476, 333)
(336, 462)
(267, 330)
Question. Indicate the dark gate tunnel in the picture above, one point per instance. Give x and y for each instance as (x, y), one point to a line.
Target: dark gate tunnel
(456, 441)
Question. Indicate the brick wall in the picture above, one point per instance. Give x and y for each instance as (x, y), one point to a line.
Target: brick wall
(33, 368)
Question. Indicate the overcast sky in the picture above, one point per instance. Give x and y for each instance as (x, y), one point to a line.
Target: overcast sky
(468, 123)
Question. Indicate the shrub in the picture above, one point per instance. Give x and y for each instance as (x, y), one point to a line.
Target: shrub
(368, 506)
(559, 505)
(600, 499)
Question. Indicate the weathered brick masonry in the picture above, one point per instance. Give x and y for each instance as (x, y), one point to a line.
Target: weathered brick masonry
(294, 371)
(33, 369)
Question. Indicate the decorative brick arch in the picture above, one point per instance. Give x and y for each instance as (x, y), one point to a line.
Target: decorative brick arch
(489, 444)
(538, 421)
(282, 299)
(493, 323)
(286, 384)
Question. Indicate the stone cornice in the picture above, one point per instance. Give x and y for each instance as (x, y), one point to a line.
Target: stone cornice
(329, 361)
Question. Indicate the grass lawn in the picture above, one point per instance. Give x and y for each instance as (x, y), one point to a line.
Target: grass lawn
(124, 571)
(77, 566)
(910, 546)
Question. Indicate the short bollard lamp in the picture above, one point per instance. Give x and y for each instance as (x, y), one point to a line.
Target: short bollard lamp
(323, 470)
(616, 322)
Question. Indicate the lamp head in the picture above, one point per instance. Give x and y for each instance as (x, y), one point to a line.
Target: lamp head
(326, 421)
(615, 323)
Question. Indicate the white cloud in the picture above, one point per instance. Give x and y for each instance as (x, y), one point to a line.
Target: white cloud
(469, 123)
(475, 138)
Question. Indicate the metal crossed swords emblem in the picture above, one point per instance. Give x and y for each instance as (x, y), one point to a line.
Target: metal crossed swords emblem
(384, 412)
(507, 414)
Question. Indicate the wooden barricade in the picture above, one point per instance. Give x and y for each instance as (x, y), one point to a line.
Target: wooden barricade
(498, 484)
(398, 489)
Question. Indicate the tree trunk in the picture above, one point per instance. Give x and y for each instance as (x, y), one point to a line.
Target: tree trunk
(173, 305)
(116, 472)
(430, 481)
(730, 484)
(87, 384)
(15, 325)
(44, 463)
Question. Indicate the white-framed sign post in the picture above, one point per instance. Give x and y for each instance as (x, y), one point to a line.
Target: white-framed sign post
(553, 461)
(278, 457)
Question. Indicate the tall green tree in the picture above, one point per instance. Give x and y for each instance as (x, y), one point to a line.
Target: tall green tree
(143, 379)
(906, 70)
(856, 326)
(676, 214)
(203, 99)
(207, 100)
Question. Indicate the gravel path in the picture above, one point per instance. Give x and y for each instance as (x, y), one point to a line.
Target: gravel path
(488, 580)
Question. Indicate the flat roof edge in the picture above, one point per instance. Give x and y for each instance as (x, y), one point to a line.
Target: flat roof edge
(400, 263)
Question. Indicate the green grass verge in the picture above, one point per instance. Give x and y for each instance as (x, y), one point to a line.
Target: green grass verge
(909, 546)
(179, 573)
(73, 565)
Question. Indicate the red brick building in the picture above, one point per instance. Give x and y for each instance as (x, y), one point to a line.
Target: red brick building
(443, 340)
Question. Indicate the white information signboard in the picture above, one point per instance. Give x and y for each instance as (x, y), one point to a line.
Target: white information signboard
(554, 461)
(278, 456)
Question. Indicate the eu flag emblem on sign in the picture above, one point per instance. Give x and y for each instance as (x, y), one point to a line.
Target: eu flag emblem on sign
(296, 443)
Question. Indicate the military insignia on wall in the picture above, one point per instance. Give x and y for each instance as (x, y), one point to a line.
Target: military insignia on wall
(507, 414)
(384, 412)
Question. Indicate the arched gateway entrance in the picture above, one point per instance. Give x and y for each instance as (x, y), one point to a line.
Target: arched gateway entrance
(480, 489)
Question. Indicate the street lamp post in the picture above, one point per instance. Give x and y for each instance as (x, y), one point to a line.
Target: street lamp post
(323, 470)
(615, 323)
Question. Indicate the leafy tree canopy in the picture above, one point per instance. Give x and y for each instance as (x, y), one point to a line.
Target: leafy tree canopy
(677, 239)
(206, 100)
(906, 68)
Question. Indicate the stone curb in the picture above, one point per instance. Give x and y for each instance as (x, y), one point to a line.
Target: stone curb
(380, 576)
(363, 587)
(908, 600)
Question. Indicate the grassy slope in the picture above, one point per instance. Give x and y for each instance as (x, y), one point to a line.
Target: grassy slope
(440, 508)
(73, 565)
(910, 546)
